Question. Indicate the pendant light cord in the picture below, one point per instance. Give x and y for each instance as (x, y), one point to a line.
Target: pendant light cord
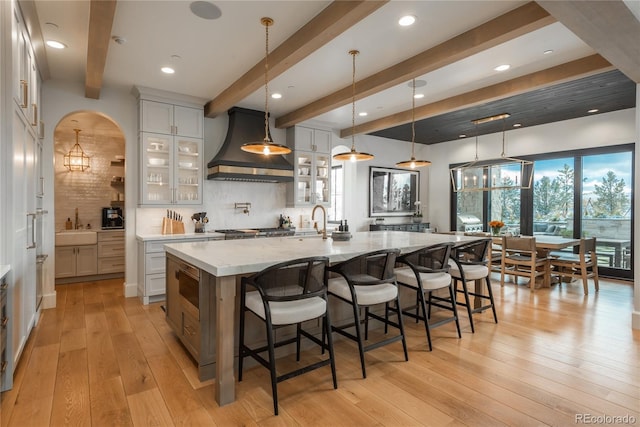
(413, 118)
(503, 132)
(267, 22)
(353, 100)
(476, 159)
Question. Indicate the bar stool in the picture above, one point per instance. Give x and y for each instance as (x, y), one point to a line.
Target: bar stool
(426, 271)
(469, 262)
(288, 293)
(364, 281)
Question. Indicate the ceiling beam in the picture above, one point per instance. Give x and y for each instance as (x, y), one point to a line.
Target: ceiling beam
(32, 22)
(515, 23)
(609, 27)
(573, 70)
(324, 27)
(100, 23)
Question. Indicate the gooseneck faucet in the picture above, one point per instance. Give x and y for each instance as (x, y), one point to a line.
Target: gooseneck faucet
(324, 218)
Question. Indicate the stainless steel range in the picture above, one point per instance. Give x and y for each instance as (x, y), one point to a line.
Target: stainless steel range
(469, 223)
(252, 233)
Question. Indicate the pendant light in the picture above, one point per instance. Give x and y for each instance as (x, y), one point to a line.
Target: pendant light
(75, 159)
(266, 146)
(413, 163)
(353, 155)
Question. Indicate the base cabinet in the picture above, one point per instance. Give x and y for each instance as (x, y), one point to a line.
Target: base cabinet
(72, 261)
(111, 252)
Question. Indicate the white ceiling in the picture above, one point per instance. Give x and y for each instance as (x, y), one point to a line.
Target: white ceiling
(215, 53)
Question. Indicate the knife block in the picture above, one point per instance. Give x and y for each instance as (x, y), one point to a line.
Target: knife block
(171, 226)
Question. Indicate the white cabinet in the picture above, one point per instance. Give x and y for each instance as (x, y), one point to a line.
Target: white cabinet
(169, 119)
(312, 167)
(73, 261)
(26, 79)
(111, 252)
(171, 170)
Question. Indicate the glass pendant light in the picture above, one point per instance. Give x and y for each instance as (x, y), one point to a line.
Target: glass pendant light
(353, 155)
(266, 146)
(413, 163)
(75, 159)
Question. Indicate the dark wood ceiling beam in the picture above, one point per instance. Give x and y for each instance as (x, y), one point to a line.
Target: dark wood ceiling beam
(609, 27)
(30, 15)
(324, 27)
(579, 68)
(515, 23)
(100, 23)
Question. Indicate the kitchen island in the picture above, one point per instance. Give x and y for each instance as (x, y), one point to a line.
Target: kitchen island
(222, 262)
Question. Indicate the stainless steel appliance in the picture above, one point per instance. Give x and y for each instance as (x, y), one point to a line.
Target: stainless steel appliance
(112, 218)
(251, 233)
(469, 223)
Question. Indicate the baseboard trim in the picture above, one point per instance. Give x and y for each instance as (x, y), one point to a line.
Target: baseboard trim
(130, 290)
(48, 300)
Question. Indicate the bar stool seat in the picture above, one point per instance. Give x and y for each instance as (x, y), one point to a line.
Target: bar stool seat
(287, 312)
(430, 281)
(366, 295)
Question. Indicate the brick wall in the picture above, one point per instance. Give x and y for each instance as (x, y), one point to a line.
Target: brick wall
(91, 190)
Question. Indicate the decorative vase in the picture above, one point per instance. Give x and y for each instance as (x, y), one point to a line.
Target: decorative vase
(495, 231)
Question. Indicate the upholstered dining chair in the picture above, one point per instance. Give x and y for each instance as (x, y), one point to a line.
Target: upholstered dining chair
(470, 262)
(426, 270)
(289, 293)
(582, 265)
(365, 281)
(520, 259)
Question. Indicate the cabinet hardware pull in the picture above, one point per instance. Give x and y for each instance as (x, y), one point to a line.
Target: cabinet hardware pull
(35, 115)
(5, 320)
(25, 93)
(4, 366)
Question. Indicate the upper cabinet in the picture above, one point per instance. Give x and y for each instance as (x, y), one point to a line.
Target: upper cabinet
(312, 167)
(168, 119)
(26, 78)
(171, 156)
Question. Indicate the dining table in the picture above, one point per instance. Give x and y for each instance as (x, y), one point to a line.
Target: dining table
(227, 260)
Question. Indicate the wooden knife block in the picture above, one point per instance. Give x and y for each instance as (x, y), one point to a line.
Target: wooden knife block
(171, 226)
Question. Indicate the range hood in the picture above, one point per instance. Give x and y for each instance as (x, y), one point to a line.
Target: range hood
(233, 164)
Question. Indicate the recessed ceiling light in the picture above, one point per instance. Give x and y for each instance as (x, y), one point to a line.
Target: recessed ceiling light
(462, 135)
(548, 51)
(276, 95)
(517, 125)
(362, 113)
(205, 10)
(407, 20)
(418, 95)
(56, 44)
(503, 67)
(167, 70)
(593, 110)
(118, 39)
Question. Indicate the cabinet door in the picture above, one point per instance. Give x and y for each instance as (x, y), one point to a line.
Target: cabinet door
(188, 170)
(174, 314)
(156, 172)
(156, 117)
(188, 121)
(322, 141)
(21, 61)
(303, 180)
(303, 138)
(322, 179)
(86, 260)
(65, 261)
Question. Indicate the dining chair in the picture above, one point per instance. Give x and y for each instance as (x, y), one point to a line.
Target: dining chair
(583, 265)
(470, 262)
(365, 281)
(288, 293)
(520, 259)
(426, 270)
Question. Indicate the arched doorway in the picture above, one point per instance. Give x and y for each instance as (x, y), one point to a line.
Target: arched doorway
(81, 197)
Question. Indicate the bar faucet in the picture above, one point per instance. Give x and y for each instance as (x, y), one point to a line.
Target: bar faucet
(324, 217)
(76, 224)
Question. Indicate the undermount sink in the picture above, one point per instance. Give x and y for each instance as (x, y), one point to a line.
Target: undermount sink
(76, 237)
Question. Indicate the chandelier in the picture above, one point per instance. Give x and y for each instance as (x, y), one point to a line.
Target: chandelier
(266, 146)
(75, 159)
(505, 173)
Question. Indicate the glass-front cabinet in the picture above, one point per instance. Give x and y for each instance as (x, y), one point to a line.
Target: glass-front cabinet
(312, 178)
(171, 170)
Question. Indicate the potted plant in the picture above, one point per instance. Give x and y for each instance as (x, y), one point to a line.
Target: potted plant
(496, 225)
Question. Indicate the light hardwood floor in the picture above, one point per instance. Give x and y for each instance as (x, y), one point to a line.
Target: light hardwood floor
(100, 359)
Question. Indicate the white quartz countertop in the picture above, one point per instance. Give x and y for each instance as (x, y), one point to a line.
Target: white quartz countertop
(4, 269)
(185, 236)
(232, 257)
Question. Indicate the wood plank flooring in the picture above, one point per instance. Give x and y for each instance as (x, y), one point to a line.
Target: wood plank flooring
(100, 359)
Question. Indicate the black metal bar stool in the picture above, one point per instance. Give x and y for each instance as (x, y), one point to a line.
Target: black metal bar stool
(365, 281)
(288, 293)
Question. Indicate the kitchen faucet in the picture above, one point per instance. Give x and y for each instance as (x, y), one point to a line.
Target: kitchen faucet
(76, 224)
(324, 217)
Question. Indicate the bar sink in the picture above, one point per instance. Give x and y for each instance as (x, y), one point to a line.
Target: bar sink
(76, 237)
